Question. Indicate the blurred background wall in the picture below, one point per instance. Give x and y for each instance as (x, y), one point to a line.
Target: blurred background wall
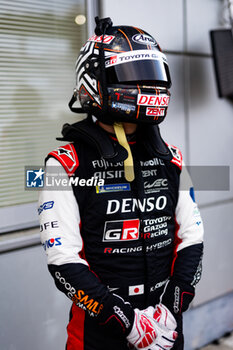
(33, 313)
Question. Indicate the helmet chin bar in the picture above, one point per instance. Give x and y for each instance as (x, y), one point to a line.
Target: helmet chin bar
(150, 105)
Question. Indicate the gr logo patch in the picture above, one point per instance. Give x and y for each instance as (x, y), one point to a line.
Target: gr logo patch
(122, 230)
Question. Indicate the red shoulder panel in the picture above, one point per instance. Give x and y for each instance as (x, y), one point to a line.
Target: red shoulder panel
(67, 156)
(177, 156)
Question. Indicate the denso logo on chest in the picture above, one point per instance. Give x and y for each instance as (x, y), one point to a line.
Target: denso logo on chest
(121, 230)
(131, 205)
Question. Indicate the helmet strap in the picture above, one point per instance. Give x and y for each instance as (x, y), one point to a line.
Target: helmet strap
(72, 101)
(128, 162)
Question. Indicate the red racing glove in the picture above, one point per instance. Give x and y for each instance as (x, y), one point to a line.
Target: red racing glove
(163, 316)
(149, 330)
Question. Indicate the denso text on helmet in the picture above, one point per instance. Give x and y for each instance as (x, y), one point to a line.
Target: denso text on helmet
(153, 100)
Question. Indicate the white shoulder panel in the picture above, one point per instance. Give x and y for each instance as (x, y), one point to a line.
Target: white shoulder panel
(59, 223)
(187, 214)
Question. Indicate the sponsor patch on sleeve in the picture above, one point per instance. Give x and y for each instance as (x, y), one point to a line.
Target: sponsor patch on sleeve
(177, 156)
(67, 156)
(45, 206)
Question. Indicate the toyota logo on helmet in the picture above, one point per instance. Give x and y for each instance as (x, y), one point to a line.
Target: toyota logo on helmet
(122, 75)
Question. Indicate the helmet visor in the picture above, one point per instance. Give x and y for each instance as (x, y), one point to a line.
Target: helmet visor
(138, 66)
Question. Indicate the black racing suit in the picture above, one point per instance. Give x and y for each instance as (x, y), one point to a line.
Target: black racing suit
(119, 246)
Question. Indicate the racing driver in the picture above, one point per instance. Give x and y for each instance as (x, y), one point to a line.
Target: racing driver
(127, 250)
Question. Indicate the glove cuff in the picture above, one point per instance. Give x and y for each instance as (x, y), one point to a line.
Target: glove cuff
(118, 317)
(177, 297)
